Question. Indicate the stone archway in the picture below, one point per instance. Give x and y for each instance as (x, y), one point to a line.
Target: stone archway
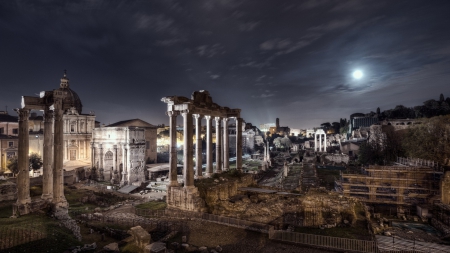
(108, 165)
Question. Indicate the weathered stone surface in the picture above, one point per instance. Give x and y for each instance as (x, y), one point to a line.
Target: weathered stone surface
(156, 247)
(112, 247)
(141, 237)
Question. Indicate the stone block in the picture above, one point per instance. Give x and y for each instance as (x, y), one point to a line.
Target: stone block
(112, 247)
(157, 247)
(141, 237)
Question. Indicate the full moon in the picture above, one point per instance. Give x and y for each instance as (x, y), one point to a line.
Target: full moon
(357, 74)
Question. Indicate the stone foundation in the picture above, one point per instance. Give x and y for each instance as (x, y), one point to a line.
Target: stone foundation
(185, 199)
(8, 191)
(35, 205)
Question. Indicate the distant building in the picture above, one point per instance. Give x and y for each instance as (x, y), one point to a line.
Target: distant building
(150, 136)
(277, 129)
(8, 149)
(295, 132)
(266, 127)
(118, 154)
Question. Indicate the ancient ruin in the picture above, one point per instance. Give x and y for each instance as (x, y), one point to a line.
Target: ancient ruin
(54, 104)
(199, 106)
(318, 141)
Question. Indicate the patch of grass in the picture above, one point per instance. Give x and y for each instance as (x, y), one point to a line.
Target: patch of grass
(56, 238)
(153, 205)
(6, 209)
(130, 248)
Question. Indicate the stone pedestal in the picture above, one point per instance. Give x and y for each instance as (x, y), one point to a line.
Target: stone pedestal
(185, 199)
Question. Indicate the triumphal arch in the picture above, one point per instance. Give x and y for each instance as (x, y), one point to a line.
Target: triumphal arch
(199, 106)
(53, 104)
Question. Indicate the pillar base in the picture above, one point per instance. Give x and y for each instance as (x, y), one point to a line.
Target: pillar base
(208, 175)
(62, 203)
(198, 177)
(185, 198)
(219, 171)
(47, 197)
(225, 169)
(173, 184)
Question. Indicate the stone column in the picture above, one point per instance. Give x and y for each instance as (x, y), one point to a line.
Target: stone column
(226, 147)
(320, 142)
(209, 156)
(315, 142)
(59, 199)
(173, 181)
(92, 155)
(128, 163)
(23, 164)
(239, 143)
(101, 158)
(325, 142)
(218, 145)
(198, 146)
(188, 170)
(124, 168)
(47, 156)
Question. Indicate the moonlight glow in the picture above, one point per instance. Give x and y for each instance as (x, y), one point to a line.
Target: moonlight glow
(357, 74)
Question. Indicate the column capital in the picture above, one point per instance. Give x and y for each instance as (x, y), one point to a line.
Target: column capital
(172, 113)
(208, 117)
(197, 116)
(48, 115)
(217, 119)
(184, 113)
(24, 114)
(225, 119)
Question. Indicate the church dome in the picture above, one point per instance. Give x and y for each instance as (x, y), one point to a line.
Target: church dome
(72, 99)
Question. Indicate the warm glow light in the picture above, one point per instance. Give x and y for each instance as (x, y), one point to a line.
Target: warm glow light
(357, 74)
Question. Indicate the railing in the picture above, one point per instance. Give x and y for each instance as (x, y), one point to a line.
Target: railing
(229, 221)
(13, 236)
(324, 241)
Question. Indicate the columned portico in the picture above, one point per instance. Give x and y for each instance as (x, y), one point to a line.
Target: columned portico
(318, 141)
(198, 146)
(226, 148)
(200, 105)
(218, 145)
(209, 157)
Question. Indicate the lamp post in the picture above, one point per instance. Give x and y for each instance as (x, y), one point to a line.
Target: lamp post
(38, 146)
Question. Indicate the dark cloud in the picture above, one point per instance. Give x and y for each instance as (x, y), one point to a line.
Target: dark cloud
(289, 59)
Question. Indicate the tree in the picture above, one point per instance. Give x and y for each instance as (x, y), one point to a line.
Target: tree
(35, 162)
(429, 140)
(13, 165)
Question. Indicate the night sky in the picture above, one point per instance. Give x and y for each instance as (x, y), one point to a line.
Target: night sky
(288, 59)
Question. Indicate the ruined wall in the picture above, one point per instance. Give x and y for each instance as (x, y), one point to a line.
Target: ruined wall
(225, 190)
(337, 158)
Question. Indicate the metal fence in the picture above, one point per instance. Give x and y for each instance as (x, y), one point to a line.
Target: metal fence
(325, 241)
(11, 236)
(229, 221)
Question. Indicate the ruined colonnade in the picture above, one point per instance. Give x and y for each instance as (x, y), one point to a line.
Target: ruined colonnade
(193, 111)
(53, 103)
(319, 134)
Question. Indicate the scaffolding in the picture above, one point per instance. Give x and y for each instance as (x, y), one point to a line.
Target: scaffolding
(397, 185)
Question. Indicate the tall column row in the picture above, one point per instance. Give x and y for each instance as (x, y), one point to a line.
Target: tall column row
(222, 147)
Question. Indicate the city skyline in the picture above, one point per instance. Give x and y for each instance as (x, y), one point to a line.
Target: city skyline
(293, 61)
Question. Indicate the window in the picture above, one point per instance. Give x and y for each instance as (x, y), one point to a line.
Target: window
(10, 144)
(15, 131)
(2, 130)
(72, 128)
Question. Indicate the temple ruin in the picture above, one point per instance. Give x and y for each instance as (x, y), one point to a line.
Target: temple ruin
(53, 104)
(199, 106)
